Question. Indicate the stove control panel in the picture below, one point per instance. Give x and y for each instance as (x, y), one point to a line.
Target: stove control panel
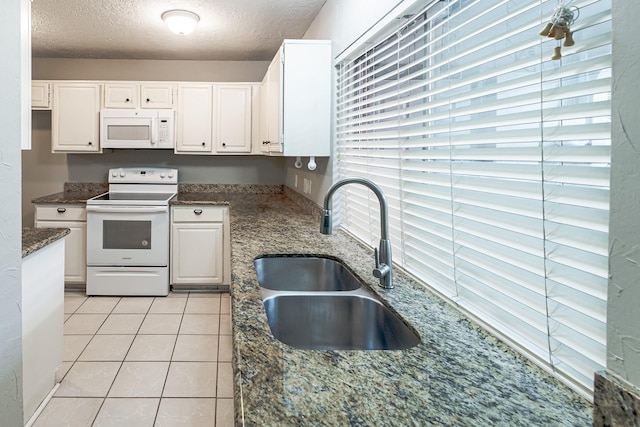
(143, 176)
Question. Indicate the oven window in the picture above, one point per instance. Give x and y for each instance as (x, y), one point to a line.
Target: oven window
(126, 234)
(128, 133)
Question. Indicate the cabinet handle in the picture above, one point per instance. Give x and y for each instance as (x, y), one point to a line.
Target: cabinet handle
(148, 100)
(126, 100)
(62, 210)
(90, 143)
(203, 144)
(197, 211)
(224, 145)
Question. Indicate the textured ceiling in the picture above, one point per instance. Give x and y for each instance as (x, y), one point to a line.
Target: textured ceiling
(232, 30)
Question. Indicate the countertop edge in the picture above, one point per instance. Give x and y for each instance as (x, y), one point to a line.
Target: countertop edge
(34, 239)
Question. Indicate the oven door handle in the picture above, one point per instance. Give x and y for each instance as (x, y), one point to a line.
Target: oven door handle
(128, 209)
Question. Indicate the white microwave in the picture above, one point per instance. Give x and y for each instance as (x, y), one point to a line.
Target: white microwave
(137, 128)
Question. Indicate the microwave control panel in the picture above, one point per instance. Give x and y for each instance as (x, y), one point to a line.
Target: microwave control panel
(163, 130)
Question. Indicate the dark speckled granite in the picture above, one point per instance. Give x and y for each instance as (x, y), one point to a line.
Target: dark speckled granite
(34, 239)
(615, 402)
(229, 188)
(74, 193)
(458, 375)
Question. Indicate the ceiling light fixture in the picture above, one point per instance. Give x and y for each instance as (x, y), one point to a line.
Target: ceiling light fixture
(180, 21)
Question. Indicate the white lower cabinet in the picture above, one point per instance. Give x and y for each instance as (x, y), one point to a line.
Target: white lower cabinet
(42, 320)
(73, 217)
(200, 247)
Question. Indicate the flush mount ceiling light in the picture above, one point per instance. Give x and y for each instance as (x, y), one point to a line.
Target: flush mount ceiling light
(180, 21)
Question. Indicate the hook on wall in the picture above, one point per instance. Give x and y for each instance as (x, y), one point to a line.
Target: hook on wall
(312, 163)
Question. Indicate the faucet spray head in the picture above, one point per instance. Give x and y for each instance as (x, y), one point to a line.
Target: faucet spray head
(325, 225)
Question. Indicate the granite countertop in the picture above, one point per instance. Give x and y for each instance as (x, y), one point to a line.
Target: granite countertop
(73, 194)
(458, 375)
(34, 239)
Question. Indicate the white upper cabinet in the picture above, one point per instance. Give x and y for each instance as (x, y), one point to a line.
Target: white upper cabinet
(121, 95)
(288, 113)
(138, 95)
(271, 104)
(75, 122)
(297, 103)
(157, 95)
(40, 95)
(195, 116)
(232, 118)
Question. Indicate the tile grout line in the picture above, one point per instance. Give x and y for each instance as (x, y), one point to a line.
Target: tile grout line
(104, 399)
(189, 297)
(122, 364)
(175, 343)
(83, 350)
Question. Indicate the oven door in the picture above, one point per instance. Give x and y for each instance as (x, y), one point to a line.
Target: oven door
(128, 236)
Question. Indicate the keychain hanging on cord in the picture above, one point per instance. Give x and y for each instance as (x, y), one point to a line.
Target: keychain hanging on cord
(559, 26)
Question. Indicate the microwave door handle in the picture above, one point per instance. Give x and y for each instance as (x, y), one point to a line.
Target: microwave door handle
(154, 130)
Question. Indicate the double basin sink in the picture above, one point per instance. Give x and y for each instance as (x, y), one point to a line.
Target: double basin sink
(317, 303)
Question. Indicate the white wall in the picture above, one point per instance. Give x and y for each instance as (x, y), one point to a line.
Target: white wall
(45, 173)
(623, 313)
(134, 69)
(342, 22)
(10, 230)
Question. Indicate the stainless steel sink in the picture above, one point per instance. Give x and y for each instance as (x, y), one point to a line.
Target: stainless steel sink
(317, 303)
(317, 321)
(304, 273)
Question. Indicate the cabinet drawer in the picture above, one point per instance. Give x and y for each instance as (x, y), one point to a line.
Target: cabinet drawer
(199, 214)
(61, 213)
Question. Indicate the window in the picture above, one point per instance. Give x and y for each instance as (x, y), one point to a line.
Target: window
(495, 163)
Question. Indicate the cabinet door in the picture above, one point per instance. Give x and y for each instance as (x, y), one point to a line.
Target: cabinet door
(75, 123)
(233, 119)
(197, 253)
(274, 104)
(264, 115)
(306, 99)
(256, 118)
(194, 118)
(40, 95)
(75, 249)
(121, 95)
(156, 95)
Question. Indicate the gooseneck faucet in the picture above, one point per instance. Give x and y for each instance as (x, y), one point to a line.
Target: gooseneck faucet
(383, 266)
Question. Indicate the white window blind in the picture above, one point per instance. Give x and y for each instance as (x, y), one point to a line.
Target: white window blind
(495, 163)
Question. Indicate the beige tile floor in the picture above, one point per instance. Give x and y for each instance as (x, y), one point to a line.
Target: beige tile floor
(144, 361)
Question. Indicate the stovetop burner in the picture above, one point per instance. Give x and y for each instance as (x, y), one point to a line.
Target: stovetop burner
(152, 197)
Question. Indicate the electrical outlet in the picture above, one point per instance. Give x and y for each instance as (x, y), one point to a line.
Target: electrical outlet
(295, 180)
(307, 186)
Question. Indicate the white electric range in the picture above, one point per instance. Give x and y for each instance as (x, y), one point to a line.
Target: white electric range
(128, 233)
